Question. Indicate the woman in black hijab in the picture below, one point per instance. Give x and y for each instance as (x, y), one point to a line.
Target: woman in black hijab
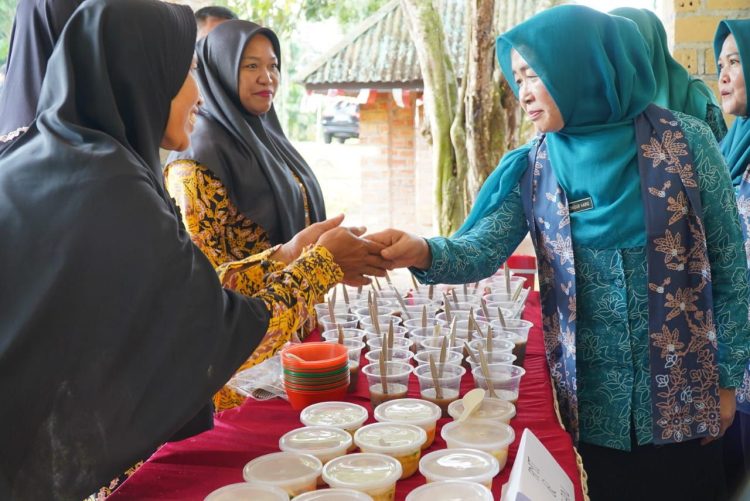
(36, 28)
(241, 186)
(114, 328)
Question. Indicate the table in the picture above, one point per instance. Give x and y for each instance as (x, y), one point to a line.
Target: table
(194, 467)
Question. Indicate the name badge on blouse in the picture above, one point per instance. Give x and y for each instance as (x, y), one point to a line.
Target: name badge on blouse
(580, 205)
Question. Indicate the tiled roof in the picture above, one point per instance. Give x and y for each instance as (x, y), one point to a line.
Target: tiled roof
(379, 53)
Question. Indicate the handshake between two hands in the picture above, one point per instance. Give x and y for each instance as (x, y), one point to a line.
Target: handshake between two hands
(360, 256)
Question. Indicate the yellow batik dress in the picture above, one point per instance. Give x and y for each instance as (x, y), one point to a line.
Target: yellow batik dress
(240, 251)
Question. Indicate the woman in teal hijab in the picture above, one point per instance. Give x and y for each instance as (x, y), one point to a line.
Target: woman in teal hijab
(675, 89)
(732, 48)
(631, 212)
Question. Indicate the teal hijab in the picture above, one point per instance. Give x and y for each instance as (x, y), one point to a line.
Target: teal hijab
(675, 88)
(597, 69)
(736, 144)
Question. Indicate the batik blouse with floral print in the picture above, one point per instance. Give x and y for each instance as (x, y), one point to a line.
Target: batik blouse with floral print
(240, 251)
(614, 385)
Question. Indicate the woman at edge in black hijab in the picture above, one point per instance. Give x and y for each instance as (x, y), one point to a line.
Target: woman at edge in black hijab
(36, 28)
(241, 186)
(114, 329)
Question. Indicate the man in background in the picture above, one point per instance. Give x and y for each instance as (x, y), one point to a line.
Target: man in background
(209, 18)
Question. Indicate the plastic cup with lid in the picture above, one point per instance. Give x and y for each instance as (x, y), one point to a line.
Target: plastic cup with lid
(449, 379)
(485, 435)
(520, 331)
(400, 441)
(373, 474)
(471, 465)
(411, 411)
(293, 472)
(505, 378)
(449, 490)
(347, 416)
(323, 442)
(245, 490)
(493, 409)
(334, 495)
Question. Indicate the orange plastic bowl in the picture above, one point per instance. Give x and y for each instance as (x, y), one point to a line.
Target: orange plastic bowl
(301, 399)
(316, 356)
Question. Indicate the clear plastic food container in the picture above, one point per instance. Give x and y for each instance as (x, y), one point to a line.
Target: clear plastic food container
(344, 415)
(411, 411)
(491, 408)
(485, 435)
(295, 473)
(470, 465)
(244, 490)
(373, 474)
(334, 495)
(400, 441)
(450, 490)
(323, 442)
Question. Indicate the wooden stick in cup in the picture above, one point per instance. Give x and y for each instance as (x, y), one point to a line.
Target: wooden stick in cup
(478, 329)
(331, 312)
(374, 318)
(424, 316)
(402, 304)
(447, 308)
(359, 291)
(470, 324)
(377, 284)
(488, 343)
(346, 295)
(501, 317)
(430, 291)
(443, 355)
(517, 291)
(341, 333)
(466, 292)
(333, 296)
(485, 310)
(507, 279)
(476, 287)
(415, 282)
(455, 297)
(486, 373)
(453, 332)
(435, 379)
(437, 330)
(473, 355)
(383, 373)
(390, 338)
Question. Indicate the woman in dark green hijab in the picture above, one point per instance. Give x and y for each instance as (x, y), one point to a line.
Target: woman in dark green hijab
(675, 89)
(632, 215)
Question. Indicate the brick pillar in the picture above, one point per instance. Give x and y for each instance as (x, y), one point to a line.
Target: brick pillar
(388, 165)
(691, 25)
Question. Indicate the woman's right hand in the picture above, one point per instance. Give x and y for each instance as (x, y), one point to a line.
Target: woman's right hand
(403, 249)
(356, 256)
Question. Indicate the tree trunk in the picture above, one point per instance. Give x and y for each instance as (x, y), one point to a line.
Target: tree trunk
(440, 98)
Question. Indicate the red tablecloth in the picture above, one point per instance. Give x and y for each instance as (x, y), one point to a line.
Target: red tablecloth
(192, 468)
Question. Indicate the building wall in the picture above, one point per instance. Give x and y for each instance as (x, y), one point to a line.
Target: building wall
(691, 25)
(389, 176)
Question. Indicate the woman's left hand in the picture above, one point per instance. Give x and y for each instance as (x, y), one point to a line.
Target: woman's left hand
(727, 406)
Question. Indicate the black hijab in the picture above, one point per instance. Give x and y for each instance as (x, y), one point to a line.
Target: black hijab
(36, 28)
(249, 154)
(114, 329)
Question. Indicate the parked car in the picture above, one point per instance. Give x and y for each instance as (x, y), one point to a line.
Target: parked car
(340, 121)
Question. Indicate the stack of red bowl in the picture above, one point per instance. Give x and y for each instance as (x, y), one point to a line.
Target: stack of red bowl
(315, 372)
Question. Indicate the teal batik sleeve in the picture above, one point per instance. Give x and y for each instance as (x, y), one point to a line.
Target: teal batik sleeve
(479, 252)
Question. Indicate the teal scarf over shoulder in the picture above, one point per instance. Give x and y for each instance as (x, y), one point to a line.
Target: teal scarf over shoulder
(597, 69)
(675, 89)
(736, 144)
